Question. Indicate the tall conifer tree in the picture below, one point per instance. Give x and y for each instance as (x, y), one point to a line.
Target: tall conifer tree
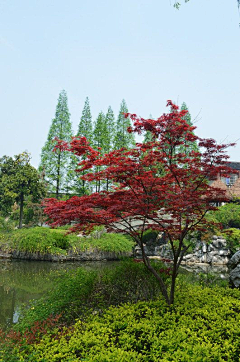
(188, 147)
(55, 165)
(100, 133)
(122, 137)
(110, 137)
(111, 129)
(85, 129)
(100, 140)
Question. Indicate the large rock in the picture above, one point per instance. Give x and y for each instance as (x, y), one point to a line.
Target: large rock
(214, 253)
(234, 277)
(234, 261)
(234, 267)
(151, 247)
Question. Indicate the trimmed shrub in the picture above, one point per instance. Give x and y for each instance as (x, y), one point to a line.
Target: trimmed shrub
(202, 326)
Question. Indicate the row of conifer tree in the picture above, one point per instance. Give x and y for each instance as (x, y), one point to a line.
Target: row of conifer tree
(58, 168)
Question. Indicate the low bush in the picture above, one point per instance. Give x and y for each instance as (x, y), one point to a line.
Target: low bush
(202, 326)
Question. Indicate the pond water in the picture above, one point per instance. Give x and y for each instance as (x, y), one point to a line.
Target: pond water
(21, 281)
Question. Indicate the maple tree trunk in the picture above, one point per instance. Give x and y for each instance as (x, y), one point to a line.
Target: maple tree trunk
(157, 276)
(173, 282)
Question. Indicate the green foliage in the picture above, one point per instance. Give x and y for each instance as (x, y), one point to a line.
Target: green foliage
(203, 326)
(131, 281)
(100, 132)
(228, 215)
(232, 236)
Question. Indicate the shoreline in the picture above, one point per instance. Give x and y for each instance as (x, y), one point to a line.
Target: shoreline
(93, 255)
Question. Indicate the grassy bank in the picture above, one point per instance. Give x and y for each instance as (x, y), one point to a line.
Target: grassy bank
(55, 241)
(119, 315)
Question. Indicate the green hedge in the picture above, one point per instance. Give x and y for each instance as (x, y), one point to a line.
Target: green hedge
(202, 326)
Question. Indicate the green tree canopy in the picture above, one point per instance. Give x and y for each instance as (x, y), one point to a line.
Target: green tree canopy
(18, 179)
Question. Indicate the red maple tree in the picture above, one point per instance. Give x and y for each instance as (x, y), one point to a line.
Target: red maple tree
(154, 186)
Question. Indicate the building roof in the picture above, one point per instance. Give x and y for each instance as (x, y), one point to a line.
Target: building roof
(234, 165)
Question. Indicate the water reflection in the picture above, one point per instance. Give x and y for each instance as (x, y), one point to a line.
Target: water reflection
(21, 281)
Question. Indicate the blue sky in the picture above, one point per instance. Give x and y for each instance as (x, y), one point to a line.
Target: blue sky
(144, 51)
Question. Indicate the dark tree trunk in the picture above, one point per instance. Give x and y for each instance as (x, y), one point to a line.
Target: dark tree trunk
(157, 276)
(21, 210)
